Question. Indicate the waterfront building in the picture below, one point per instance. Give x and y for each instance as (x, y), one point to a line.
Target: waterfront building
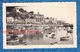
(39, 18)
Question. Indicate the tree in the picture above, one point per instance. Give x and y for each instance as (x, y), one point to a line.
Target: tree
(47, 18)
(31, 12)
(14, 14)
(21, 10)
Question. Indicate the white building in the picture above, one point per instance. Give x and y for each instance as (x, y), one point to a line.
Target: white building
(39, 18)
(10, 19)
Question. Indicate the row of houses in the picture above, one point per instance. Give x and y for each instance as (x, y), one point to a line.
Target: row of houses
(21, 15)
(39, 19)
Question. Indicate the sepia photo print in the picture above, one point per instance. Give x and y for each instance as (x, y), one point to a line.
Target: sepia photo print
(39, 25)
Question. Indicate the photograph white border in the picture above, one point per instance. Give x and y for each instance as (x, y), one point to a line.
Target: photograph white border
(74, 45)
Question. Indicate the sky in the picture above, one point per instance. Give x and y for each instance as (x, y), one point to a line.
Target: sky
(65, 11)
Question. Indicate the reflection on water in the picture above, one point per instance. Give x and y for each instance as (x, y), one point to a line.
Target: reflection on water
(46, 38)
(41, 39)
(31, 37)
